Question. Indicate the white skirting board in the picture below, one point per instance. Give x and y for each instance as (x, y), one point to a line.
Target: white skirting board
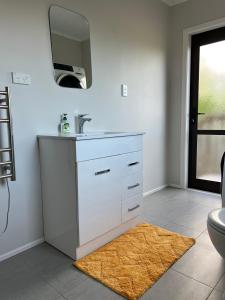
(21, 249)
(161, 188)
(155, 190)
(176, 186)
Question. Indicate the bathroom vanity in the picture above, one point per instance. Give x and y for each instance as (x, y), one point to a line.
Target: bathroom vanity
(92, 188)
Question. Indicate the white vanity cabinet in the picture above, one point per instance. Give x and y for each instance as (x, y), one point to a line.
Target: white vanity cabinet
(92, 189)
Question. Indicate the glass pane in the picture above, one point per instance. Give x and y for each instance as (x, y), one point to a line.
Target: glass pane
(210, 149)
(212, 86)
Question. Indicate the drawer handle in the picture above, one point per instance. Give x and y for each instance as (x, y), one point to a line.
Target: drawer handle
(102, 172)
(133, 186)
(133, 208)
(133, 164)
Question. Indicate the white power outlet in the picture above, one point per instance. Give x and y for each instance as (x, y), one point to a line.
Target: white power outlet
(21, 78)
(124, 90)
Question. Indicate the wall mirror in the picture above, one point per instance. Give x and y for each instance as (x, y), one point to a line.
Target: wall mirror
(71, 49)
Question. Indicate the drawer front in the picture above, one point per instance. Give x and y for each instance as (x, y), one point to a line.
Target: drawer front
(99, 197)
(133, 162)
(133, 184)
(131, 207)
(98, 148)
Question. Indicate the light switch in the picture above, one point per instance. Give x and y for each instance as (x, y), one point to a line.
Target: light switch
(21, 78)
(124, 90)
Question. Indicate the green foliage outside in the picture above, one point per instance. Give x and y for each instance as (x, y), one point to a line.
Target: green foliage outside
(211, 91)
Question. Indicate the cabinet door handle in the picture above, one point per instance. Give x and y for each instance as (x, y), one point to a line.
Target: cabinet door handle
(133, 186)
(102, 172)
(133, 164)
(133, 208)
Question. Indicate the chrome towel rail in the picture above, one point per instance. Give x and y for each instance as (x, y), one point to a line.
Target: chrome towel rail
(5, 150)
(9, 165)
(5, 163)
(7, 176)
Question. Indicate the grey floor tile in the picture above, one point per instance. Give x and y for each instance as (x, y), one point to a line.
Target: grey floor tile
(169, 225)
(190, 232)
(64, 278)
(221, 284)
(9, 266)
(175, 286)
(203, 240)
(45, 258)
(196, 219)
(157, 209)
(188, 208)
(165, 194)
(212, 201)
(201, 264)
(26, 286)
(177, 213)
(91, 289)
(155, 220)
(184, 208)
(215, 295)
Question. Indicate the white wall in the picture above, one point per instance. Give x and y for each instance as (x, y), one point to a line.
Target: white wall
(188, 14)
(129, 45)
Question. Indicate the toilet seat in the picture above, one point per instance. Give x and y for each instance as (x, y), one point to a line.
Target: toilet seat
(216, 219)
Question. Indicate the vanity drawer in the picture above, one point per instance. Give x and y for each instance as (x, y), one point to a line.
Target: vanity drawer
(98, 148)
(98, 171)
(131, 207)
(133, 162)
(99, 197)
(133, 184)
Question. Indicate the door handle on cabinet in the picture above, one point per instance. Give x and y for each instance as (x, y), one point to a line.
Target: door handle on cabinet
(102, 172)
(133, 164)
(133, 186)
(133, 208)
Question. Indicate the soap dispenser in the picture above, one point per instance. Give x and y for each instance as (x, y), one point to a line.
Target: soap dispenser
(64, 124)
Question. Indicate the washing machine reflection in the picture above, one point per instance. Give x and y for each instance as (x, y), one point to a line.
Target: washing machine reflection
(70, 76)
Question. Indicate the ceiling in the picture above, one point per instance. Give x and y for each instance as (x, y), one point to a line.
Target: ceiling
(173, 2)
(68, 24)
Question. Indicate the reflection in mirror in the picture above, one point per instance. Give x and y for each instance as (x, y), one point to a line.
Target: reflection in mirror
(71, 50)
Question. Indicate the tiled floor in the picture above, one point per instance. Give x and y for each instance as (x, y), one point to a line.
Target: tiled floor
(43, 273)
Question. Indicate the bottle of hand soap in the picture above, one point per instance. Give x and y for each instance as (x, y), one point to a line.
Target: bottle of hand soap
(64, 124)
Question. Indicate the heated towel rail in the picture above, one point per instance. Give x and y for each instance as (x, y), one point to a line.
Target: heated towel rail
(7, 167)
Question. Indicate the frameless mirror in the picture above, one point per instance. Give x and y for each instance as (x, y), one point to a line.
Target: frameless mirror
(71, 49)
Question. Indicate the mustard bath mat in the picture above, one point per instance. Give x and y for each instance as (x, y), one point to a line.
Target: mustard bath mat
(134, 261)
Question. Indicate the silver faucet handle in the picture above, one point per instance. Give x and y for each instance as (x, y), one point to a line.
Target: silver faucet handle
(82, 115)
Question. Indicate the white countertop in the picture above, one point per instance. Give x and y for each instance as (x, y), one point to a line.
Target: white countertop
(90, 135)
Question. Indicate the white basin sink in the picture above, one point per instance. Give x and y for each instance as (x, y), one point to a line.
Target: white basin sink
(99, 133)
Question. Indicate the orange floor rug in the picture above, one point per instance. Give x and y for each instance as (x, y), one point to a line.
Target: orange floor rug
(134, 261)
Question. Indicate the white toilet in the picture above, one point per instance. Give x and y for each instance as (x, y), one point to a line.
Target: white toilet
(216, 229)
(216, 219)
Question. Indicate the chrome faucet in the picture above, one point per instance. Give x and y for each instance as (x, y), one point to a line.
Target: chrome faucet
(81, 121)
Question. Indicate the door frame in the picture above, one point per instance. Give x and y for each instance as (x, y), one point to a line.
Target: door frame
(198, 40)
(185, 97)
